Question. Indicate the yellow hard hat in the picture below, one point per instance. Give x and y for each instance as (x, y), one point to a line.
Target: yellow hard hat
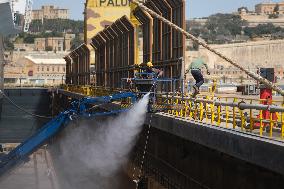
(149, 64)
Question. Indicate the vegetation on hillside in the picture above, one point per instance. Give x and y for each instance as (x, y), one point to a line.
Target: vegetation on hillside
(219, 28)
(29, 37)
(57, 25)
(76, 42)
(265, 29)
(8, 45)
(50, 28)
(230, 28)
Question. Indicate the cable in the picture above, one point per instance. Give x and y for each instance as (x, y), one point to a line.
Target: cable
(22, 109)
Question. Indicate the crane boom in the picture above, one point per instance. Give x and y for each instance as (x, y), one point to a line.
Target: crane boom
(28, 15)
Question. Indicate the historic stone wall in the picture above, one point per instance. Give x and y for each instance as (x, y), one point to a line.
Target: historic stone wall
(251, 55)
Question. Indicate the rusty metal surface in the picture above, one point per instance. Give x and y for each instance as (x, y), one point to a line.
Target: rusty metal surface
(115, 46)
(68, 61)
(147, 29)
(115, 53)
(78, 66)
(157, 33)
(168, 44)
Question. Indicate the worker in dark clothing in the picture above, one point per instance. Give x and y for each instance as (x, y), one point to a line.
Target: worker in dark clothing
(195, 68)
(150, 69)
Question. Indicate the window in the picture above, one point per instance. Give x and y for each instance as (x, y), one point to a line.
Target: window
(58, 68)
(38, 68)
(47, 68)
(63, 69)
(42, 69)
(53, 68)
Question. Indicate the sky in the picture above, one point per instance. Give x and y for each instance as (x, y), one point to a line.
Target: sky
(194, 8)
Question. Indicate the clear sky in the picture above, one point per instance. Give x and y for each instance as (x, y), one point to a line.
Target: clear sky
(194, 8)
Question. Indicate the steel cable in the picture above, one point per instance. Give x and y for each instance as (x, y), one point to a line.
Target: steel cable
(22, 109)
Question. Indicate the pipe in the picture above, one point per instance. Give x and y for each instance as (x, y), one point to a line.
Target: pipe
(241, 105)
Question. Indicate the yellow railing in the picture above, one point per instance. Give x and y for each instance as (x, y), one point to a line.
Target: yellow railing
(220, 111)
(226, 112)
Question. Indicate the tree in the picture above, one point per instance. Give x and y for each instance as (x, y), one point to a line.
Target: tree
(276, 9)
(262, 29)
(275, 13)
(243, 8)
(76, 42)
(57, 25)
(29, 38)
(8, 44)
(224, 25)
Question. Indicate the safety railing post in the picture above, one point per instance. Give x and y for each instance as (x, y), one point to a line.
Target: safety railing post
(227, 114)
(251, 118)
(206, 112)
(242, 119)
(190, 106)
(271, 125)
(212, 113)
(261, 123)
(219, 115)
(234, 115)
(282, 125)
(201, 111)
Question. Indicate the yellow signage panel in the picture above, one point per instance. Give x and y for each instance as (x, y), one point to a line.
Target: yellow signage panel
(102, 13)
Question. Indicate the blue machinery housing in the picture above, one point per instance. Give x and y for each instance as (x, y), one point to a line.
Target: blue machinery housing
(21, 153)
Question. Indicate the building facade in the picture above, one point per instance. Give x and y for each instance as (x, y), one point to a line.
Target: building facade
(50, 12)
(36, 70)
(269, 8)
(54, 43)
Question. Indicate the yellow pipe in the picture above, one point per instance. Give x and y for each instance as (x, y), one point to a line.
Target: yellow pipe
(234, 115)
(212, 113)
(219, 116)
(271, 125)
(282, 129)
(251, 118)
(227, 114)
(261, 123)
(201, 111)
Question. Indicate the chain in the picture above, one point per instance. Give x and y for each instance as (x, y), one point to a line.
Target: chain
(192, 37)
(145, 146)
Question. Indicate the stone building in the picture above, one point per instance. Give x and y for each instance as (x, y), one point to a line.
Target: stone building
(50, 12)
(36, 70)
(269, 7)
(53, 43)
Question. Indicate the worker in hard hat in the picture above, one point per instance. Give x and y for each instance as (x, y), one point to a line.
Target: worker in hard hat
(195, 68)
(150, 69)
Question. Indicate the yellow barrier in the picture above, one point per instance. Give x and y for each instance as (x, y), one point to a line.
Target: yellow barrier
(206, 110)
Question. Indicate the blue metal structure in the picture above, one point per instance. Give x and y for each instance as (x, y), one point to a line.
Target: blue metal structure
(21, 153)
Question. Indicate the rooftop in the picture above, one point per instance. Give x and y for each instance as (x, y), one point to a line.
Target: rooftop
(45, 59)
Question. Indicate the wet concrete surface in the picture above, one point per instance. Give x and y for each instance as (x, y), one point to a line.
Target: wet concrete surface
(37, 173)
(40, 172)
